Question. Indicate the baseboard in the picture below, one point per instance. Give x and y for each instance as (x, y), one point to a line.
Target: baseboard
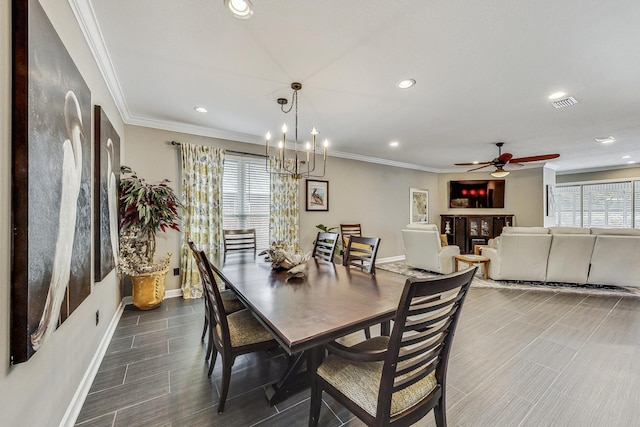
(71, 415)
(390, 259)
(173, 293)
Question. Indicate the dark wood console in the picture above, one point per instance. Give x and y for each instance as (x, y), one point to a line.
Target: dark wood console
(465, 231)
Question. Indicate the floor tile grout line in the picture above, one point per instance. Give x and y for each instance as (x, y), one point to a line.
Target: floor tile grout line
(550, 387)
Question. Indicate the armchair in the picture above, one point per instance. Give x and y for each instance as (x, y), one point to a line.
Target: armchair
(423, 249)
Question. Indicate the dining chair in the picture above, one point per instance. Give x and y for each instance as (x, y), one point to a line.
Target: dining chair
(325, 246)
(361, 252)
(239, 240)
(232, 334)
(397, 380)
(229, 300)
(347, 230)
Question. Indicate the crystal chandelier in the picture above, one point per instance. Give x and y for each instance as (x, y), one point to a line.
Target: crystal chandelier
(303, 161)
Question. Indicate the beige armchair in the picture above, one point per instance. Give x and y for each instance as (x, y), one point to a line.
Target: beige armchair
(423, 249)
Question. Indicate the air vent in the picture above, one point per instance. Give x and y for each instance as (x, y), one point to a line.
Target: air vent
(564, 102)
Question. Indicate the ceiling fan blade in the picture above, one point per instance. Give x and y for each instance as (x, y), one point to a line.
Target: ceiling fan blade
(504, 157)
(484, 166)
(473, 164)
(535, 158)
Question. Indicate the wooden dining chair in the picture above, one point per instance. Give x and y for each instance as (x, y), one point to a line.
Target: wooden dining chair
(361, 252)
(347, 230)
(239, 240)
(229, 300)
(397, 380)
(325, 246)
(232, 334)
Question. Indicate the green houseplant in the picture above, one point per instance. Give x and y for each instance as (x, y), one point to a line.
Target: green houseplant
(145, 210)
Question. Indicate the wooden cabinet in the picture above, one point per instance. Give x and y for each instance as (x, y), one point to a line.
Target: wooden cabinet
(466, 231)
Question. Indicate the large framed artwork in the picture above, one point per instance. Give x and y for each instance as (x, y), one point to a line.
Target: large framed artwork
(317, 195)
(51, 182)
(106, 173)
(418, 205)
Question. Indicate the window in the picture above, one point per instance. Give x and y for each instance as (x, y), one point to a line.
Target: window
(605, 204)
(246, 195)
(568, 206)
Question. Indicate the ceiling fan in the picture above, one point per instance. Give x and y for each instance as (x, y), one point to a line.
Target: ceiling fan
(504, 159)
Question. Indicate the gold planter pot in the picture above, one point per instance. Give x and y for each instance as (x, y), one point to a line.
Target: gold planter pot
(148, 289)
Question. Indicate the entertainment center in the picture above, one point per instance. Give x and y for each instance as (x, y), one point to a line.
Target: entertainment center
(465, 231)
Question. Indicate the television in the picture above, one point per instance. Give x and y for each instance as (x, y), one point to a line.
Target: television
(476, 194)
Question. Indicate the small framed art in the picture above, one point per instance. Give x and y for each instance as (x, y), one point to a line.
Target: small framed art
(317, 195)
(419, 205)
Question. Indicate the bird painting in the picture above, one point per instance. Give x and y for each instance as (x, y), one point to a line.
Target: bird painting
(71, 181)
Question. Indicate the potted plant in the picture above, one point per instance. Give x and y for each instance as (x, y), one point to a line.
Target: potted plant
(145, 210)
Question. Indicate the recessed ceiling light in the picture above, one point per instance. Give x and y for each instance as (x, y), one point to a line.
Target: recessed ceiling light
(556, 95)
(630, 162)
(241, 9)
(406, 84)
(626, 157)
(200, 109)
(475, 162)
(394, 144)
(605, 140)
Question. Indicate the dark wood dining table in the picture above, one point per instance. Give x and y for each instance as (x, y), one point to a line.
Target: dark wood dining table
(330, 301)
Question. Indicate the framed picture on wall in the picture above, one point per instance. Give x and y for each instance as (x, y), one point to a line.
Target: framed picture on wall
(419, 205)
(317, 195)
(51, 182)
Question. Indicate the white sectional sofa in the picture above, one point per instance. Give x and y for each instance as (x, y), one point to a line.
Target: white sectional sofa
(599, 256)
(423, 249)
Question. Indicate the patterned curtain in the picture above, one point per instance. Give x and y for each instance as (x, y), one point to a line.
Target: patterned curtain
(202, 169)
(284, 206)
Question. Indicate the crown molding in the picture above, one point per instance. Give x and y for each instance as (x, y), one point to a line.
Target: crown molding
(86, 18)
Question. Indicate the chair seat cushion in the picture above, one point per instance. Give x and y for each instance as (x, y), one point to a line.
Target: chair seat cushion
(231, 302)
(245, 329)
(360, 381)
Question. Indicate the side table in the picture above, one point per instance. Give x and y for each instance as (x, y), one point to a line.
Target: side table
(472, 259)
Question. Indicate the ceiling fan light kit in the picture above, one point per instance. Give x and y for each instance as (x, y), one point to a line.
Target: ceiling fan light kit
(505, 159)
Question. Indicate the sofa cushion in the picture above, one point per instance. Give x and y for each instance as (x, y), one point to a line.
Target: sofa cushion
(569, 230)
(615, 231)
(615, 261)
(523, 257)
(525, 230)
(569, 258)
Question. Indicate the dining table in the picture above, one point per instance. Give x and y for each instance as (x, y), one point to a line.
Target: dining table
(302, 313)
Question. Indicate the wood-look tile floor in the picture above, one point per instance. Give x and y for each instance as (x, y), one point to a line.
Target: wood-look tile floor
(519, 358)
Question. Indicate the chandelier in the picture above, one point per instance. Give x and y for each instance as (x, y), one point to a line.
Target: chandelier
(302, 162)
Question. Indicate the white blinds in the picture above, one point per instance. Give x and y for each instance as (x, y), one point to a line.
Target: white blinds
(607, 204)
(246, 196)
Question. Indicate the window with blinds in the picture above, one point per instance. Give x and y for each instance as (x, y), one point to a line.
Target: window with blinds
(607, 204)
(569, 206)
(246, 195)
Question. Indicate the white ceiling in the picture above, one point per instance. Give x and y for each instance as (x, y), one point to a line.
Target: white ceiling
(483, 69)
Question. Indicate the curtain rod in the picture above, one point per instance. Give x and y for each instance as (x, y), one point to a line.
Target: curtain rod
(244, 153)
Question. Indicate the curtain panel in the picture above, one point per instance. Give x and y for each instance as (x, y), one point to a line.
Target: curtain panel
(202, 169)
(284, 225)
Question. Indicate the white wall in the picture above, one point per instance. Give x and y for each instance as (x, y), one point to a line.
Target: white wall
(39, 391)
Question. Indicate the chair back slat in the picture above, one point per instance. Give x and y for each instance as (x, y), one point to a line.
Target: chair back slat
(239, 240)
(325, 246)
(361, 252)
(422, 334)
(217, 314)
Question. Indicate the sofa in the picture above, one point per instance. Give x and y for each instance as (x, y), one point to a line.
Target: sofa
(598, 256)
(423, 248)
